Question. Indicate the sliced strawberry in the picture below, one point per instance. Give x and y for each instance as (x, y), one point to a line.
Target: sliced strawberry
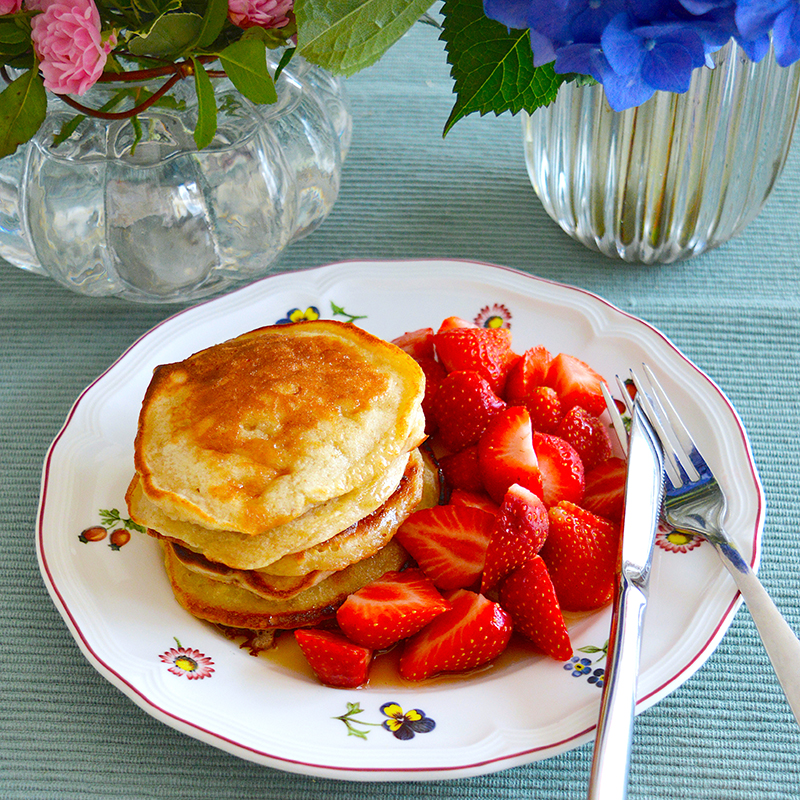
(336, 660)
(448, 542)
(460, 469)
(581, 555)
(482, 350)
(418, 344)
(560, 467)
(519, 533)
(391, 608)
(506, 455)
(455, 322)
(462, 408)
(605, 489)
(587, 435)
(434, 375)
(529, 597)
(526, 374)
(474, 631)
(544, 406)
(460, 497)
(577, 384)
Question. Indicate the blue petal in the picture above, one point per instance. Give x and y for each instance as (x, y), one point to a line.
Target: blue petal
(668, 68)
(622, 47)
(755, 18)
(511, 13)
(786, 36)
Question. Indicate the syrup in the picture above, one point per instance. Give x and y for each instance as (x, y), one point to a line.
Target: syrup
(384, 671)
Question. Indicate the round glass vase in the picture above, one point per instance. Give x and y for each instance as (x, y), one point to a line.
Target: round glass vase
(131, 208)
(678, 175)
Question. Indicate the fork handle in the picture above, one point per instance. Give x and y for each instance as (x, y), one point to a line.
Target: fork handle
(780, 641)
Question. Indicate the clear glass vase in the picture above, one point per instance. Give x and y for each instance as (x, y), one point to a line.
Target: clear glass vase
(676, 176)
(156, 220)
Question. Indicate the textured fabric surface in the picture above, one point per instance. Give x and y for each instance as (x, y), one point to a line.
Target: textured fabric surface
(727, 734)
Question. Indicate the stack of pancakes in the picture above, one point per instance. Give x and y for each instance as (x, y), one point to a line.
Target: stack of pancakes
(275, 469)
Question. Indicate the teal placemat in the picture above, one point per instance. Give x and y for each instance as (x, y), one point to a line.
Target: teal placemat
(407, 193)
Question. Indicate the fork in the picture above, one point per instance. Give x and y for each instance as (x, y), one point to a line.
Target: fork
(694, 503)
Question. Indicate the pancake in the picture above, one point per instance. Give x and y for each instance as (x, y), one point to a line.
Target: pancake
(243, 551)
(284, 578)
(254, 432)
(228, 605)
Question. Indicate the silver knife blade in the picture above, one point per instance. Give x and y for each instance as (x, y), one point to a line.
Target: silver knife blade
(644, 491)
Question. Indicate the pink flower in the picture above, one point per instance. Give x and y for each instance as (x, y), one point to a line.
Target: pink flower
(9, 6)
(260, 13)
(68, 42)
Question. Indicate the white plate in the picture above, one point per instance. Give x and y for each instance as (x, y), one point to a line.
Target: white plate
(120, 609)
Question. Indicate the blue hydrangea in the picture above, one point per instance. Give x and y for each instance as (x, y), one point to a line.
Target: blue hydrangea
(637, 47)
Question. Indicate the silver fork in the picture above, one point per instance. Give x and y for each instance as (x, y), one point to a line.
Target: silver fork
(694, 503)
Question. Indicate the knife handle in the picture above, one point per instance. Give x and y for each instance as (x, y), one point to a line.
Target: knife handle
(612, 747)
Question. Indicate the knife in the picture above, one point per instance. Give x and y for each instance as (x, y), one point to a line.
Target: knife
(644, 491)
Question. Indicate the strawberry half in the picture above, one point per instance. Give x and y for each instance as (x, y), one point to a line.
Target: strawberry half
(544, 406)
(336, 660)
(560, 467)
(418, 344)
(474, 631)
(577, 384)
(526, 374)
(519, 533)
(450, 323)
(391, 608)
(529, 597)
(434, 375)
(461, 497)
(587, 435)
(605, 489)
(581, 556)
(483, 350)
(506, 454)
(462, 408)
(448, 542)
(461, 471)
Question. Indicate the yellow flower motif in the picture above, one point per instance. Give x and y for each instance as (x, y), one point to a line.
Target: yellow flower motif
(299, 315)
(404, 725)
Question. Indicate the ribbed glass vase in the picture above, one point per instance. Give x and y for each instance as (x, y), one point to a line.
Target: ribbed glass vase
(678, 175)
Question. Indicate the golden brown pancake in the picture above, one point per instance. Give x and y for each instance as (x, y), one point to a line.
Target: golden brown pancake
(229, 605)
(317, 525)
(254, 432)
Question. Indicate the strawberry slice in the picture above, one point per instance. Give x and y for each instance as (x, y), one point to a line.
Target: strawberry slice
(506, 454)
(605, 489)
(581, 555)
(587, 435)
(561, 469)
(448, 542)
(474, 631)
(460, 469)
(455, 322)
(544, 406)
(434, 375)
(519, 534)
(529, 597)
(526, 374)
(461, 497)
(418, 344)
(336, 660)
(483, 350)
(462, 408)
(391, 608)
(577, 384)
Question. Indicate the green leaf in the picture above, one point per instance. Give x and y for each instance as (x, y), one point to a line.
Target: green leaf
(206, 107)
(346, 36)
(23, 104)
(245, 63)
(213, 22)
(492, 66)
(169, 36)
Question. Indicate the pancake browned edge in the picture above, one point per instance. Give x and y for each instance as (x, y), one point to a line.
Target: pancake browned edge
(265, 443)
